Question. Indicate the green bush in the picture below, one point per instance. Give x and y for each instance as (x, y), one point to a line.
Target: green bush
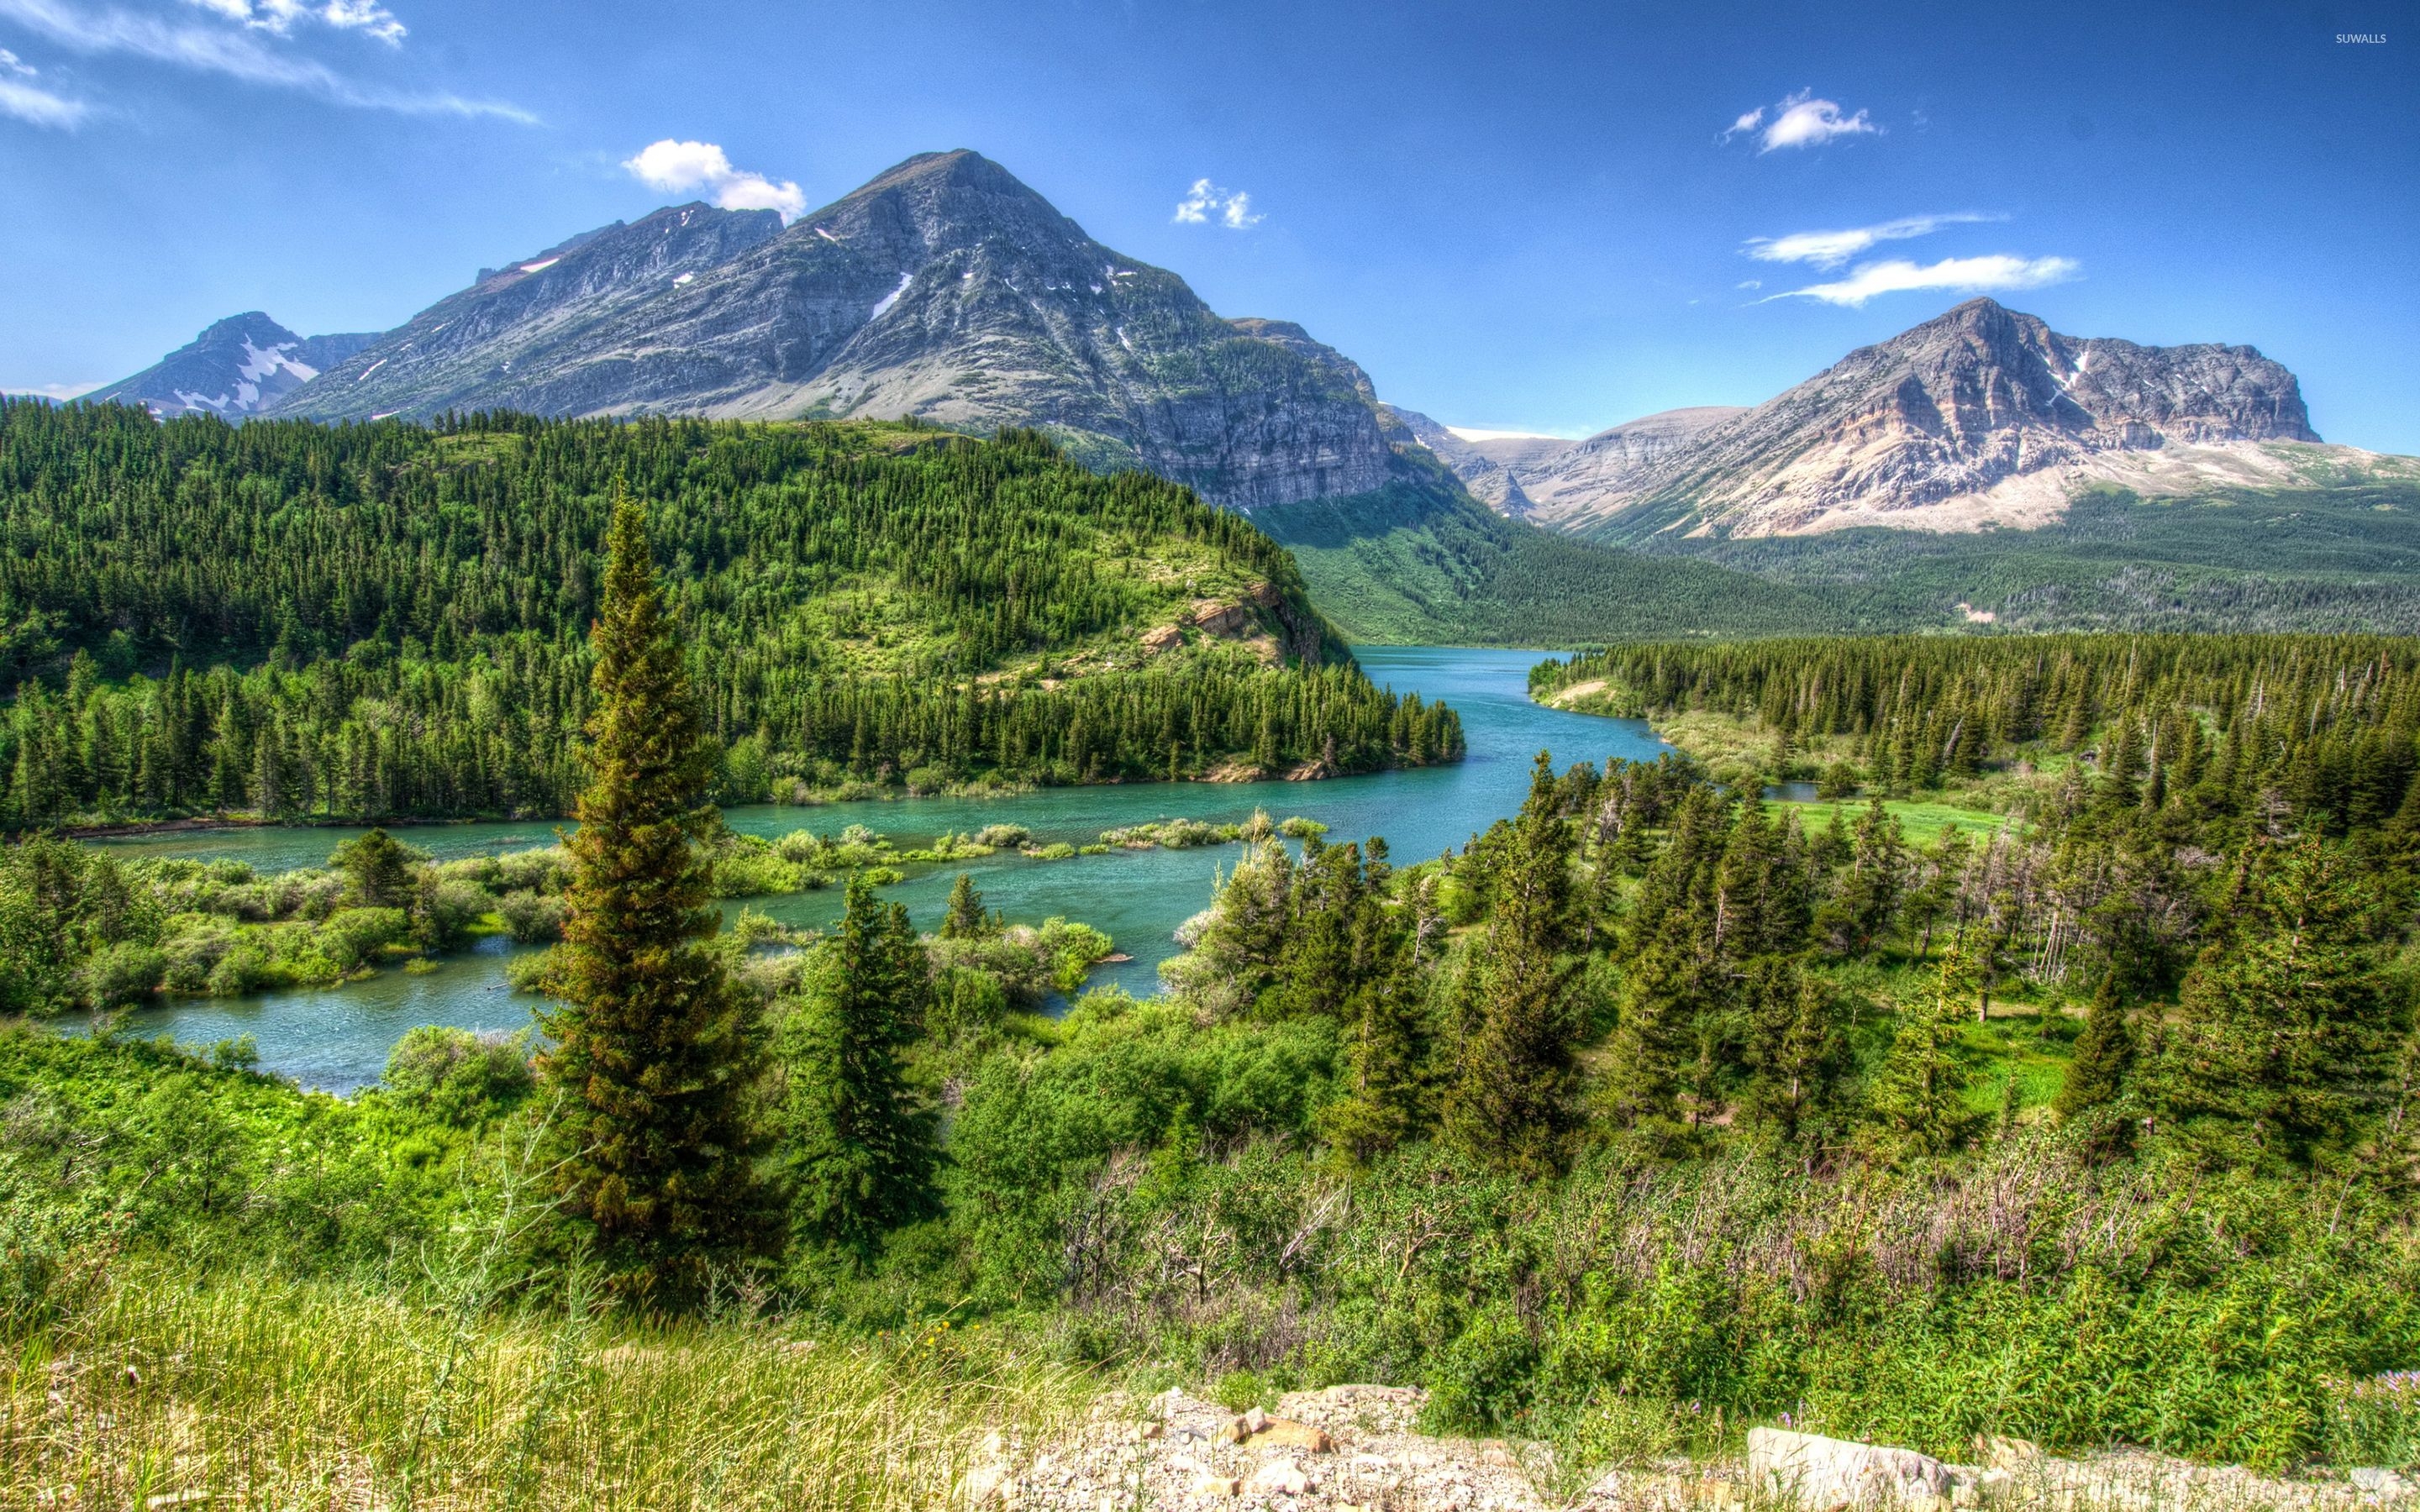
(352, 937)
(459, 1076)
(123, 976)
(530, 919)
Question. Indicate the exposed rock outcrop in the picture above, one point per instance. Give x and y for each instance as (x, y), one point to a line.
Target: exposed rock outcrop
(944, 289)
(240, 366)
(1920, 429)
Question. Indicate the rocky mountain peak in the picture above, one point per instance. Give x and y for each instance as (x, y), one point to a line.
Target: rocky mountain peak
(943, 289)
(237, 368)
(1982, 414)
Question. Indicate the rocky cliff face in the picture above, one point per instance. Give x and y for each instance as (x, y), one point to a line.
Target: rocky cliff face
(1977, 417)
(240, 366)
(520, 337)
(1480, 465)
(944, 288)
(1554, 482)
(1565, 483)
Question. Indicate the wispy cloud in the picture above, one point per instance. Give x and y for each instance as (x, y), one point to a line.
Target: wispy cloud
(30, 102)
(681, 167)
(1206, 202)
(236, 52)
(1971, 276)
(279, 16)
(1800, 120)
(60, 392)
(1832, 249)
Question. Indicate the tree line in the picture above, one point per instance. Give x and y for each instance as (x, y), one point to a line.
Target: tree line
(386, 620)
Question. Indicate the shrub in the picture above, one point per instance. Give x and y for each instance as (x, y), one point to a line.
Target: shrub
(461, 1077)
(351, 936)
(530, 919)
(123, 975)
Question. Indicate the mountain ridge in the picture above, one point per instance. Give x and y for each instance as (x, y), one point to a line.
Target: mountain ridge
(235, 368)
(943, 289)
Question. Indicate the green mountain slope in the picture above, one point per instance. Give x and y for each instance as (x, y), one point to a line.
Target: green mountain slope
(2333, 559)
(389, 619)
(1420, 562)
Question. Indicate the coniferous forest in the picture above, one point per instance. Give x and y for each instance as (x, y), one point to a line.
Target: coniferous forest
(2049, 1071)
(385, 620)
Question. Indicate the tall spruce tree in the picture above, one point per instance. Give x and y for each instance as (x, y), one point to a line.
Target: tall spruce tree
(1511, 1101)
(965, 918)
(2286, 1034)
(1918, 1100)
(2098, 1073)
(861, 1146)
(654, 1053)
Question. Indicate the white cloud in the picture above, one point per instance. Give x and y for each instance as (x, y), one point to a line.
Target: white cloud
(1750, 282)
(38, 107)
(1970, 275)
(236, 53)
(279, 16)
(31, 103)
(60, 392)
(1831, 249)
(1801, 120)
(680, 167)
(1205, 202)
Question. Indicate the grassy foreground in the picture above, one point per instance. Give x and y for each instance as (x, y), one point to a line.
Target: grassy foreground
(255, 1392)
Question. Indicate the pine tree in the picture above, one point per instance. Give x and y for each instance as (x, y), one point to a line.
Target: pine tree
(860, 1147)
(2286, 1034)
(965, 918)
(380, 871)
(2103, 1060)
(656, 1054)
(1918, 1093)
(1511, 1100)
(1386, 1059)
(1794, 1053)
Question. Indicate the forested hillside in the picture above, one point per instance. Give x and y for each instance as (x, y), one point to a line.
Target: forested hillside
(2312, 732)
(1649, 1115)
(387, 620)
(2340, 559)
(1420, 561)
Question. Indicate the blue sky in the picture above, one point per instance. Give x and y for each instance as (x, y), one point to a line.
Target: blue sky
(1531, 217)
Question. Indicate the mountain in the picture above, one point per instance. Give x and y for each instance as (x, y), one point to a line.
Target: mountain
(1419, 561)
(518, 337)
(944, 289)
(240, 366)
(1982, 417)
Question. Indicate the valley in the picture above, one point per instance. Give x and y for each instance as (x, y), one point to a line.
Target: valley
(862, 857)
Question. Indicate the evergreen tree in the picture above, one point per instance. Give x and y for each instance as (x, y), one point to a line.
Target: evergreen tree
(380, 871)
(1385, 1101)
(1794, 1053)
(861, 1146)
(1511, 1099)
(966, 919)
(1917, 1100)
(2102, 1066)
(2286, 1034)
(1856, 917)
(654, 1053)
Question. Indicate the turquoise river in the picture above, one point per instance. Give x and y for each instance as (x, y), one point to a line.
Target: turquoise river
(338, 1038)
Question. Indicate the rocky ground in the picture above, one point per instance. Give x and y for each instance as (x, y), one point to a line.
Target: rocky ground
(1353, 1449)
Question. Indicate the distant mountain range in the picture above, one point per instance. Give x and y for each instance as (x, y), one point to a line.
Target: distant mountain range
(948, 290)
(242, 366)
(1983, 417)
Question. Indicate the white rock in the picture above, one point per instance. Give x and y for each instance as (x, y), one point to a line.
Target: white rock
(1821, 1473)
(1282, 1475)
(2384, 1483)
